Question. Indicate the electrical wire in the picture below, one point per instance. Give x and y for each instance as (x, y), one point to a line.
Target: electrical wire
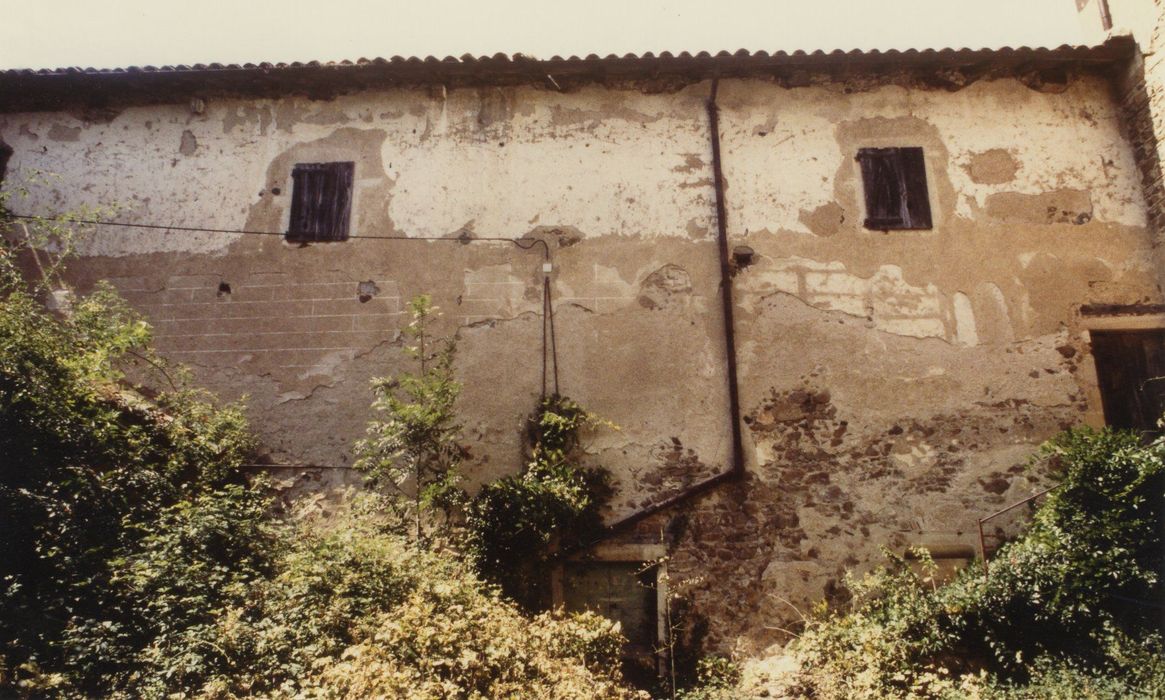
(549, 314)
(549, 342)
(524, 243)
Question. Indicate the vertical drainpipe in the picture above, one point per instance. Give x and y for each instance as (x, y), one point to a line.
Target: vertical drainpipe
(737, 468)
(726, 284)
(1105, 16)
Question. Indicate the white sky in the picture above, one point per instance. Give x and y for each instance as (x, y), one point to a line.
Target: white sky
(113, 33)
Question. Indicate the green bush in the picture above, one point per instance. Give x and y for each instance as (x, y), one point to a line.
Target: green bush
(446, 635)
(350, 610)
(716, 679)
(200, 558)
(1073, 603)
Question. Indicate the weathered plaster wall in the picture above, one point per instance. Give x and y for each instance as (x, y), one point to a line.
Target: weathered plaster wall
(893, 384)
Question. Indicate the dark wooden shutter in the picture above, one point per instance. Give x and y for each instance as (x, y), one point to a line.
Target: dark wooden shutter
(321, 201)
(1130, 368)
(895, 187)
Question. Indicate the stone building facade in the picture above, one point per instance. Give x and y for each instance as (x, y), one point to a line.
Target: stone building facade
(892, 381)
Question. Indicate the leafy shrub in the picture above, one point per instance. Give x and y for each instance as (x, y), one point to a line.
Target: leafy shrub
(1063, 679)
(514, 523)
(453, 637)
(1071, 607)
(350, 610)
(199, 557)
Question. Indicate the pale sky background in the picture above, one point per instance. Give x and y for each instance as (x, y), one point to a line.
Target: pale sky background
(118, 33)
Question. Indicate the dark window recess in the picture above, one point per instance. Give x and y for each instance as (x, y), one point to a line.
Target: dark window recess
(1130, 367)
(895, 185)
(321, 201)
(5, 154)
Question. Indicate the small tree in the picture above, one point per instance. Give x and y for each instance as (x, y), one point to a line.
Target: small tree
(413, 447)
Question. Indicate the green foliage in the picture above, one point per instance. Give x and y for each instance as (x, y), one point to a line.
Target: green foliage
(413, 448)
(88, 468)
(517, 522)
(1064, 679)
(1071, 609)
(199, 557)
(446, 635)
(717, 678)
(135, 562)
(348, 609)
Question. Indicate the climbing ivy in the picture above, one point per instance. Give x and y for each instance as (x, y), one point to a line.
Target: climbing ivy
(517, 524)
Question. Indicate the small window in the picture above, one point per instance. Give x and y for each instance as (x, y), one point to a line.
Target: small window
(895, 184)
(321, 201)
(1130, 368)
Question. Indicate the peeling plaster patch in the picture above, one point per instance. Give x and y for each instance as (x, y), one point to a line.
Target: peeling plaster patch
(259, 116)
(697, 228)
(493, 291)
(609, 278)
(609, 109)
(886, 299)
(328, 365)
(565, 235)
(993, 321)
(913, 459)
(366, 290)
(964, 320)
(290, 396)
(28, 133)
(993, 167)
(494, 105)
(1058, 207)
(825, 220)
(189, 144)
(670, 285)
(64, 133)
(692, 164)
(327, 117)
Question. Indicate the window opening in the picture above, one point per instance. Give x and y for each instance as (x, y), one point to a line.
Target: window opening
(895, 188)
(321, 201)
(1130, 369)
